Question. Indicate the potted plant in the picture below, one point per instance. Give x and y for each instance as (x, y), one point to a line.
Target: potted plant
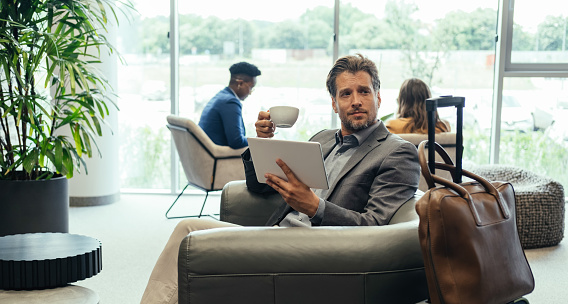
(48, 83)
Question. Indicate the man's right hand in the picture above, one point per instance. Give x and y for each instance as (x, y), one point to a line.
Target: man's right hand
(264, 126)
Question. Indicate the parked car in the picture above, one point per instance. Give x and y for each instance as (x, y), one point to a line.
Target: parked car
(514, 116)
(155, 90)
(558, 131)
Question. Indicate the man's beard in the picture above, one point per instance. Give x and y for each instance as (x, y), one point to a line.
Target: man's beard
(354, 125)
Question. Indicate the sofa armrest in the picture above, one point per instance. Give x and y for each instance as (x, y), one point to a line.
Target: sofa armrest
(407, 212)
(273, 250)
(246, 208)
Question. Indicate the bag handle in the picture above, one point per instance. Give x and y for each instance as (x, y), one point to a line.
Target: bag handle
(448, 166)
(424, 164)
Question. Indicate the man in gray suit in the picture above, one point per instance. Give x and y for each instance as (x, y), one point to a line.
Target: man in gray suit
(371, 172)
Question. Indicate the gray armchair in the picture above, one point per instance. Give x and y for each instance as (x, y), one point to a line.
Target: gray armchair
(380, 264)
(206, 165)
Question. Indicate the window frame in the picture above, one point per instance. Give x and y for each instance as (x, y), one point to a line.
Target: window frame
(505, 68)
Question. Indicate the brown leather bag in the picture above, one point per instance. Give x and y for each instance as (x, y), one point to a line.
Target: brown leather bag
(469, 239)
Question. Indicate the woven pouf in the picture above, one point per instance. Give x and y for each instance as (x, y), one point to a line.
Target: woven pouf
(540, 203)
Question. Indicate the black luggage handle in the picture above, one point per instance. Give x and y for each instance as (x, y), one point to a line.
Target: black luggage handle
(432, 104)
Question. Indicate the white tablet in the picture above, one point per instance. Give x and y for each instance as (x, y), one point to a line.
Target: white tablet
(304, 158)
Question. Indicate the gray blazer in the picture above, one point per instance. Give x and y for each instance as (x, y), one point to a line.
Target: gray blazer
(382, 174)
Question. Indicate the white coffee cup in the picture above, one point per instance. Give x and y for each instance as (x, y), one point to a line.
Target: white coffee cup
(284, 116)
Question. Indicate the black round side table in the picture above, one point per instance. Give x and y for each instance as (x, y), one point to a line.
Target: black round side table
(47, 260)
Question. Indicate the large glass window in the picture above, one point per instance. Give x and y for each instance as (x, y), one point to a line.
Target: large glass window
(448, 44)
(290, 43)
(144, 97)
(539, 32)
(534, 132)
(530, 131)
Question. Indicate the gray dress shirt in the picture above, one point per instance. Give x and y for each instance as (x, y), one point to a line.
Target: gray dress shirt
(345, 147)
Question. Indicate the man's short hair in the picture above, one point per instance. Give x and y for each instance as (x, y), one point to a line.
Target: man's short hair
(352, 64)
(244, 68)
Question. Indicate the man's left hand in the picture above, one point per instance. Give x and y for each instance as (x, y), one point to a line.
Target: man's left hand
(295, 193)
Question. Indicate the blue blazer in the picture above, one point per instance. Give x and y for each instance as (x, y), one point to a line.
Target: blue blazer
(222, 120)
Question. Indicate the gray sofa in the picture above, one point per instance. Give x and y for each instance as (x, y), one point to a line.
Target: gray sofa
(264, 265)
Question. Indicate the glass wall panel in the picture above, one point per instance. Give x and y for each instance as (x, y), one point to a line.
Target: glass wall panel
(534, 128)
(291, 43)
(144, 97)
(539, 32)
(448, 44)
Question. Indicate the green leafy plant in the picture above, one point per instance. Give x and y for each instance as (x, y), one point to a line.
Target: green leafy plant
(49, 82)
(387, 117)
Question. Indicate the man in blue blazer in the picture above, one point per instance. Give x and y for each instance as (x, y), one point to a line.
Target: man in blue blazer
(222, 118)
(371, 172)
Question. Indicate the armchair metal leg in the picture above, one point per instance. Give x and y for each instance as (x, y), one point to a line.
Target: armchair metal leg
(187, 216)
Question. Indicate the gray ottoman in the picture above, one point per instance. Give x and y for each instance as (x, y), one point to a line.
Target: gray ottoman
(540, 203)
